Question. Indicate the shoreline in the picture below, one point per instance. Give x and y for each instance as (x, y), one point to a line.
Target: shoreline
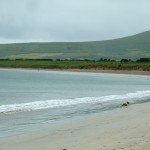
(128, 72)
(122, 128)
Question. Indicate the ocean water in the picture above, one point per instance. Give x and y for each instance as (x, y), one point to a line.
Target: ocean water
(34, 99)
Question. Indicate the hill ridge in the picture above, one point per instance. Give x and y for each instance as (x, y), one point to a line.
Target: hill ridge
(130, 47)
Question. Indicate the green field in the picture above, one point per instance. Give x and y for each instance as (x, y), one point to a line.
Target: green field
(75, 65)
(132, 47)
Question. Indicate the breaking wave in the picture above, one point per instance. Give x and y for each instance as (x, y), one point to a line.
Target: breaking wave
(39, 105)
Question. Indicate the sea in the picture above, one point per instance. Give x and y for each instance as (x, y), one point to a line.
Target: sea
(31, 100)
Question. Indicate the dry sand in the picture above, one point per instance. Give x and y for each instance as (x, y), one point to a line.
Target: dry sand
(119, 129)
(131, 72)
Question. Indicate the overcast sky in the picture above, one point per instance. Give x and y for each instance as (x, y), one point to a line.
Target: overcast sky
(71, 20)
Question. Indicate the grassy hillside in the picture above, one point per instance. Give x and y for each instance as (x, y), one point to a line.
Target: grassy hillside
(132, 47)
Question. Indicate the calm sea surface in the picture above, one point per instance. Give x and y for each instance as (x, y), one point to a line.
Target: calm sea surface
(32, 99)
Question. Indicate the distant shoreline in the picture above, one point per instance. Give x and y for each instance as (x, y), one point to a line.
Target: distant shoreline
(110, 71)
(132, 72)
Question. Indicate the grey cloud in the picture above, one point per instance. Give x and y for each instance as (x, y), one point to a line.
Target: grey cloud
(71, 20)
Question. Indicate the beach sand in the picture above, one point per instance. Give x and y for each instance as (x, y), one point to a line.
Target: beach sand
(130, 72)
(124, 128)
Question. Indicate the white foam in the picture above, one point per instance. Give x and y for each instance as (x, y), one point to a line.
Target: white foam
(38, 105)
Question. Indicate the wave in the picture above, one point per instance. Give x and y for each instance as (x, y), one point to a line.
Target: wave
(39, 105)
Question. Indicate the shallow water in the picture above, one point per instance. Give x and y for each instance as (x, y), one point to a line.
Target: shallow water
(32, 99)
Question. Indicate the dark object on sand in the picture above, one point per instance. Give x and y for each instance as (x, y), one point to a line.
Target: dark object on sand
(125, 104)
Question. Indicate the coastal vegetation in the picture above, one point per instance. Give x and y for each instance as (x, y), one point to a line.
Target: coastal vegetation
(124, 64)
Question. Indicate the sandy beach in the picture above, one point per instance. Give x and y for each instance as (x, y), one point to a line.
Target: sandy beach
(130, 72)
(122, 128)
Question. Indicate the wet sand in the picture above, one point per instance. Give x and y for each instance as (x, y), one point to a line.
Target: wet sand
(125, 128)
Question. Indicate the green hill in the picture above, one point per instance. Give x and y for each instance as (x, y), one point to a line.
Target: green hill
(132, 47)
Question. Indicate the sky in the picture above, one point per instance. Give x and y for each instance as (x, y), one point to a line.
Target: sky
(71, 20)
